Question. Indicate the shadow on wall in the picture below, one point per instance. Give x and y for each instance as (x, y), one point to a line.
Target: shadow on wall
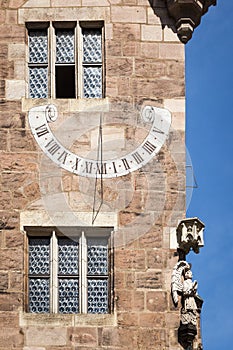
(160, 10)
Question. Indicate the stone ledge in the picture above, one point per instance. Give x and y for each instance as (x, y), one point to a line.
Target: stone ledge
(71, 105)
(60, 320)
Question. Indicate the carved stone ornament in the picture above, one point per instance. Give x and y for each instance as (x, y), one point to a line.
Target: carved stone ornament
(183, 286)
(190, 235)
(187, 15)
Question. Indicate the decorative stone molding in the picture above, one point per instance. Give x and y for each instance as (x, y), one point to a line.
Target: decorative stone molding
(187, 15)
(190, 235)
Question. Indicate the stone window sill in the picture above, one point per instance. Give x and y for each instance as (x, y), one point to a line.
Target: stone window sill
(74, 320)
(72, 105)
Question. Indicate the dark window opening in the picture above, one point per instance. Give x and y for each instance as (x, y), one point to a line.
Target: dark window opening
(65, 82)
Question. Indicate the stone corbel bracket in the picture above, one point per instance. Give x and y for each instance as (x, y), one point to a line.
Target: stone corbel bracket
(190, 235)
(187, 15)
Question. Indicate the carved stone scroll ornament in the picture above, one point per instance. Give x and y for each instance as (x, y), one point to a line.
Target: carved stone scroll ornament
(183, 286)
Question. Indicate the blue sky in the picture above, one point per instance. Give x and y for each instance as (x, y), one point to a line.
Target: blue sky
(209, 92)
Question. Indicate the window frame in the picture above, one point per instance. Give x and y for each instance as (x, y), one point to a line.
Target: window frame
(78, 26)
(82, 234)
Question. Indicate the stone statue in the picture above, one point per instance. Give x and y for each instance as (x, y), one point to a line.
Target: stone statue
(183, 285)
(189, 293)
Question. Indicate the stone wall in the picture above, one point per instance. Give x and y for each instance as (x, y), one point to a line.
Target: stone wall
(144, 66)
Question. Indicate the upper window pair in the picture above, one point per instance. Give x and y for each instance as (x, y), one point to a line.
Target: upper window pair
(65, 60)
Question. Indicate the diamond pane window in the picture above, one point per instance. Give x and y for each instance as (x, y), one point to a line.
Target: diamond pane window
(97, 266)
(67, 256)
(39, 256)
(68, 296)
(92, 82)
(66, 275)
(97, 296)
(39, 295)
(65, 60)
(97, 256)
(39, 270)
(92, 63)
(38, 46)
(38, 63)
(38, 78)
(65, 46)
(92, 45)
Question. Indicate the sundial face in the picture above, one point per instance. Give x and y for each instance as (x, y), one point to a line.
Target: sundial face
(108, 160)
(106, 163)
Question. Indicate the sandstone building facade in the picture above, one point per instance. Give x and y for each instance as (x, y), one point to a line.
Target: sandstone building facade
(92, 171)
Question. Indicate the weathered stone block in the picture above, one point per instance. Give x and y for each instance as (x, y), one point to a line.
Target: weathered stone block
(138, 300)
(171, 51)
(11, 338)
(61, 3)
(16, 281)
(156, 301)
(126, 32)
(10, 302)
(149, 279)
(128, 14)
(11, 259)
(2, 16)
(15, 89)
(128, 338)
(3, 284)
(154, 259)
(150, 338)
(110, 337)
(84, 336)
(151, 33)
(128, 319)
(124, 300)
(131, 49)
(3, 138)
(44, 336)
(95, 3)
(8, 31)
(130, 259)
(13, 239)
(167, 88)
(9, 219)
(34, 3)
(149, 50)
(152, 320)
(22, 140)
(129, 2)
(153, 238)
(147, 68)
(16, 3)
(119, 66)
(113, 48)
(2, 88)
(6, 200)
(11, 16)
(19, 162)
(16, 51)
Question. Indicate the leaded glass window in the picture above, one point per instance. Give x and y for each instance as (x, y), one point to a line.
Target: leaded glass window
(39, 272)
(97, 271)
(69, 275)
(92, 63)
(65, 60)
(38, 63)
